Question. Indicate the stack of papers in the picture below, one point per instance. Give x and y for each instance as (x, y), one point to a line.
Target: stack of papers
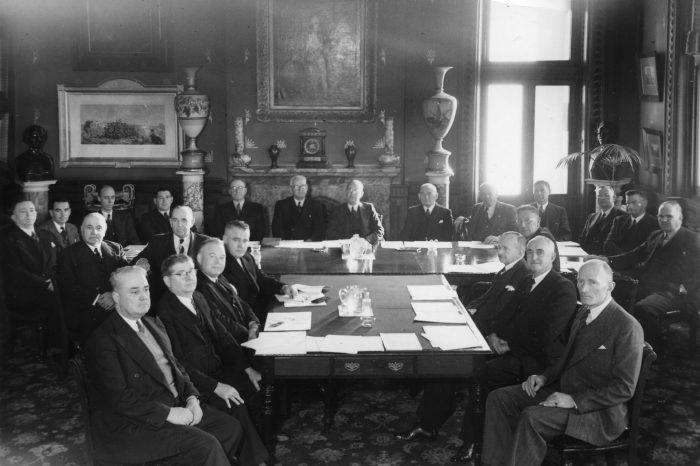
(484, 268)
(401, 342)
(288, 321)
(444, 312)
(431, 292)
(269, 343)
(450, 338)
(305, 294)
(350, 344)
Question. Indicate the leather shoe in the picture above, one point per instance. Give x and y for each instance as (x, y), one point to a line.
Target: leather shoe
(464, 454)
(417, 433)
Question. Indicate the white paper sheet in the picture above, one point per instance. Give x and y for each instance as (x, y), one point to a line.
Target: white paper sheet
(332, 243)
(444, 312)
(313, 344)
(300, 244)
(450, 337)
(288, 321)
(572, 251)
(431, 292)
(351, 344)
(269, 343)
(392, 244)
(428, 244)
(475, 245)
(483, 268)
(564, 244)
(401, 342)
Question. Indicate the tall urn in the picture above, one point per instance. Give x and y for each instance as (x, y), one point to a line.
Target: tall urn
(192, 110)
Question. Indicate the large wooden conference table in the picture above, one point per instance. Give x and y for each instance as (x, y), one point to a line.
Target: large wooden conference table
(391, 303)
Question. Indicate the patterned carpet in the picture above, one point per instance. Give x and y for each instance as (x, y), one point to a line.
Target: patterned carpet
(40, 421)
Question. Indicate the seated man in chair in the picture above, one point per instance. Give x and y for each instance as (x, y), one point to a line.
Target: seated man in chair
(583, 394)
(355, 217)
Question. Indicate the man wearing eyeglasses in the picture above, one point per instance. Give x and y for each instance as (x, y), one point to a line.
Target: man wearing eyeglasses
(240, 208)
(83, 276)
(299, 216)
(181, 241)
(210, 354)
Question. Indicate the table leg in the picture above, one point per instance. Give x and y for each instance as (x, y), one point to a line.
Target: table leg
(328, 406)
(478, 399)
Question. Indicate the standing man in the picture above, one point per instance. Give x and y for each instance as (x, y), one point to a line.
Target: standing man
(215, 362)
(598, 224)
(668, 267)
(120, 225)
(235, 314)
(355, 217)
(629, 231)
(182, 240)
(552, 216)
(29, 258)
(63, 233)
(437, 402)
(427, 221)
(529, 226)
(583, 395)
(242, 209)
(299, 216)
(489, 218)
(158, 220)
(252, 284)
(83, 277)
(147, 407)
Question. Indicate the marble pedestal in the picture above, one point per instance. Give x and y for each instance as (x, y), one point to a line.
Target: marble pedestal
(193, 194)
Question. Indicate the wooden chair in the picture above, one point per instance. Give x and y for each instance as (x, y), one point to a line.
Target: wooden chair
(567, 446)
(685, 312)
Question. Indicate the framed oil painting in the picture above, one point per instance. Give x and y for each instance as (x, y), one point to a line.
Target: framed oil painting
(124, 35)
(316, 60)
(120, 123)
(649, 78)
(652, 148)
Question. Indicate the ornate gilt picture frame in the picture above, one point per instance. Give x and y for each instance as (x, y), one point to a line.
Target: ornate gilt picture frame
(316, 60)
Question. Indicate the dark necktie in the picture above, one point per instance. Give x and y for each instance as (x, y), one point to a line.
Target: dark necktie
(427, 212)
(166, 216)
(541, 212)
(299, 207)
(585, 312)
(238, 210)
(35, 237)
(527, 285)
(64, 235)
(97, 254)
(182, 246)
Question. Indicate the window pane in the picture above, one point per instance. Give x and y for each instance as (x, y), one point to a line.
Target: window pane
(529, 30)
(551, 135)
(503, 154)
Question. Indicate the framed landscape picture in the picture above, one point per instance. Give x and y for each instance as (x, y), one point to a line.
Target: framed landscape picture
(120, 123)
(316, 60)
(652, 146)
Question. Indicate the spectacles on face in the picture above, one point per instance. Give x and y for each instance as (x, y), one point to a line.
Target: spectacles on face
(237, 188)
(185, 273)
(299, 186)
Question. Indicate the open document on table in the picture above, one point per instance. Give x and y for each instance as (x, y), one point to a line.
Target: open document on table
(450, 337)
(431, 292)
(444, 312)
(271, 343)
(288, 321)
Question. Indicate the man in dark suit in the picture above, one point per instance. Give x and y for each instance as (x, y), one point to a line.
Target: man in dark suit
(63, 233)
(234, 313)
(489, 218)
(29, 259)
(427, 221)
(145, 406)
(120, 225)
(583, 394)
(212, 357)
(299, 216)
(668, 267)
(242, 209)
(182, 240)
(437, 402)
(529, 226)
(157, 220)
(629, 231)
(355, 217)
(83, 277)
(552, 216)
(598, 224)
(252, 284)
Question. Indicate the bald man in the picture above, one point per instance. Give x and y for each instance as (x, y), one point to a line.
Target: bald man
(83, 277)
(598, 224)
(583, 394)
(355, 217)
(489, 218)
(299, 216)
(427, 220)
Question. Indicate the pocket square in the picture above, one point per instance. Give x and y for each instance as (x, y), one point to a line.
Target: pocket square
(602, 347)
(441, 221)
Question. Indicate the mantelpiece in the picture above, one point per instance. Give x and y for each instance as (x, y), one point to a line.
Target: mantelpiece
(267, 185)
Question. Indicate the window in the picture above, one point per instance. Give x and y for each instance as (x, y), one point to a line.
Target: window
(531, 92)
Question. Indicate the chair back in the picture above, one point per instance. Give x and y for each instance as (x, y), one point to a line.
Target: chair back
(635, 404)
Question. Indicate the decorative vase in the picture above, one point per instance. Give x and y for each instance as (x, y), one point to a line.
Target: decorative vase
(350, 153)
(388, 158)
(274, 153)
(192, 110)
(239, 158)
(439, 112)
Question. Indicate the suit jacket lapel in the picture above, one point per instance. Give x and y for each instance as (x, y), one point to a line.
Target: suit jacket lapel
(593, 340)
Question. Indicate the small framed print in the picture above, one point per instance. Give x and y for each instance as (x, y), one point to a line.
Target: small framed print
(649, 78)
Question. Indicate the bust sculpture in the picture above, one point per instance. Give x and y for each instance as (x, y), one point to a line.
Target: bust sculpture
(34, 164)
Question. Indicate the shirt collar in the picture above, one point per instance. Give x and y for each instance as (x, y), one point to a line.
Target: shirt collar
(637, 219)
(539, 278)
(130, 322)
(351, 207)
(187, 302)
(58, 227)
(595, 311)
(186, 243)
(606, 212)
(510, 266)
(543, 206)
(29, 232)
